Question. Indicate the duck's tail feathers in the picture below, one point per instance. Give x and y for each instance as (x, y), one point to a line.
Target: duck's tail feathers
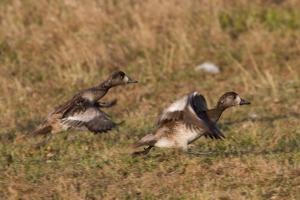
(42, 130)
(146, 140)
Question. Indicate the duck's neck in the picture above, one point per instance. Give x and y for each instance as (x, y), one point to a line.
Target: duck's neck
(105, 85)
(101, 90)
(215, 113)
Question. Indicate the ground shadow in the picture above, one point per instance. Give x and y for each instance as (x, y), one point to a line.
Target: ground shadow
(263, 119)
(238, 153)
(9, 135)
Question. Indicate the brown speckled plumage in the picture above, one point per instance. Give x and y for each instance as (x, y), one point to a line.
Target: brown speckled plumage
(83, 111)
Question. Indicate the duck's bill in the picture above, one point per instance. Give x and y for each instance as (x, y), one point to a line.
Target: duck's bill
(244, 102)
(131, 81)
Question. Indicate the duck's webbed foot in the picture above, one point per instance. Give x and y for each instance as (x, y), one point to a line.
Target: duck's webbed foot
(142, 153)
(108, 104)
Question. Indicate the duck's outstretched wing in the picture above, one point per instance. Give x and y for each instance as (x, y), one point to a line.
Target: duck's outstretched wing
(196, 114)
(91, 118)
(192, 109)
(101, 123)
(173, 112)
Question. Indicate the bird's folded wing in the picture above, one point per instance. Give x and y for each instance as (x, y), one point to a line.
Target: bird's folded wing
(71, 106)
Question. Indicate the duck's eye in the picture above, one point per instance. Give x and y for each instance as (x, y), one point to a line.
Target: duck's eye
(121, 75)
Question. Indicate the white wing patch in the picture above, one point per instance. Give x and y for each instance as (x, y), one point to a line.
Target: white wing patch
(78, 119)
(88, 95)
(195, 93)
(86, 116)
(178, 105)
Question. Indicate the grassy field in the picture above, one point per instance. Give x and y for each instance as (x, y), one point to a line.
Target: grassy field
(51, 49)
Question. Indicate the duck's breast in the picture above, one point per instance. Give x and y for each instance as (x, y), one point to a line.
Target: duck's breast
(177, 134)
(187, 134)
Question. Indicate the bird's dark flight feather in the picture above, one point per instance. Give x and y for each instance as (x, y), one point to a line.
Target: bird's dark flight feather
(199, 105)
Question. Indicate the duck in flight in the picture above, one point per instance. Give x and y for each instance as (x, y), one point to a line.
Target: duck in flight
(186, 120)
(83, 111)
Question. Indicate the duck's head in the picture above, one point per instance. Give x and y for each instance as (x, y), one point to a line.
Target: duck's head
(230, 99)
(119, 78)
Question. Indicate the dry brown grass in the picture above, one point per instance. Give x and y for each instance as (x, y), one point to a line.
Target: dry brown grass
(51, 49)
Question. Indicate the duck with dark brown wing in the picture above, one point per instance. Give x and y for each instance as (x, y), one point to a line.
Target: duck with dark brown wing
(186, 120)
(83, 111)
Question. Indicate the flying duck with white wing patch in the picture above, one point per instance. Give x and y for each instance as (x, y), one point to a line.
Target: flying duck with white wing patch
(186, 120)
(83, 111)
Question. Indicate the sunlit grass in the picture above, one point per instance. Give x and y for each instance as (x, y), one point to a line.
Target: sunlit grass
(51, 49)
